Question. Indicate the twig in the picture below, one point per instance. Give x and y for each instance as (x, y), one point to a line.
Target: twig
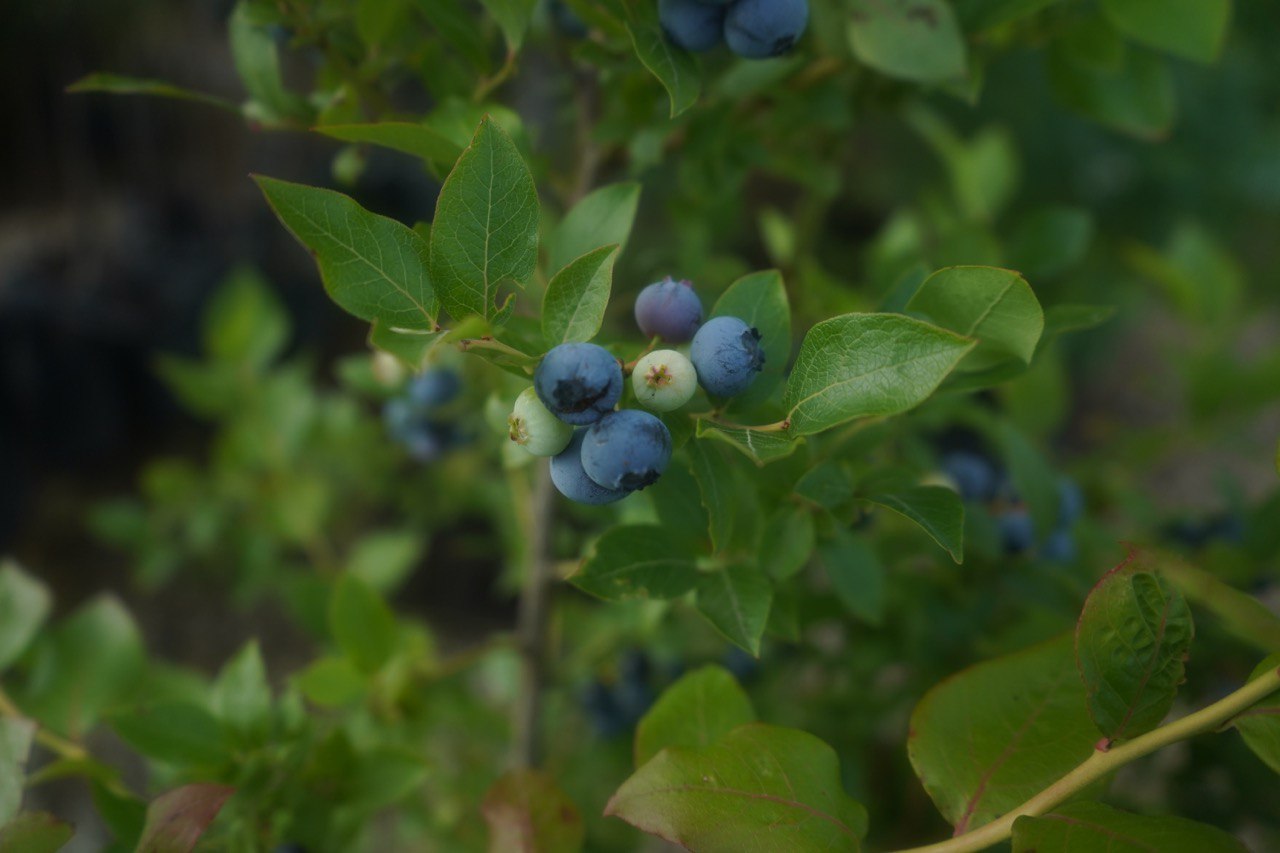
(531, 631)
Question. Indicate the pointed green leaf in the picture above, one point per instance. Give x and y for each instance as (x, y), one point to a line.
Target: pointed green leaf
(787, 542)
(576, 297)
(938, 510)
(602, 218)
(527, 810)
(736, 601)
(245, 322)
(361, 623)
(696, 711)
(383, 559)
(331, 682)
(119, 84)
(992, 305)
(257, 62)
(177, 819)
(513, 18)
(915, 40)
(410, 138)
(856, 573)
(35, 832)
(485, 232)
(1192, 29)
(758, 788)
(987, 739)
(716, 486)
(1136, 96)
(1131, 644)
(24, 605)
(241, 696)
(371, 266)
(675, 68)
(639, 561)
(862, 365)
(173, 732)
(1260, 725)
(1083, 826)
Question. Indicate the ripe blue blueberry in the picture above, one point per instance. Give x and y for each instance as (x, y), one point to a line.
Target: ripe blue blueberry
(567, 20)
(727, 355)
(533, 427)
(626, 450)
(434, 388)
(572, 481)
(664, 380)
(1017, 532)
(759, 29)
(578, 382)
(1070, 502)
(691, 24)
(973, 474)
(1060, 547)
(669, 309)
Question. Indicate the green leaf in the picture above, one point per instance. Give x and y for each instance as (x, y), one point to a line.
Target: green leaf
(675, 68)
(371, 266)
(35, 832)
(512, 17)
(245, 322)
(993, 305)
(716, 486)
(257, 62)
(410, 138)
(863, 365)
(177, 819)
(1034, 479)
(1061, 319)
(760, 447)
(636, 561)
(978, 15)
(411, 346)
(787, 542)
(856, 573)
(87, 662)
(241, 696)
(1131, 643)
(987, 739)
(1051, 240)
(1192, 29)
(1260, 725)
(577, 296)
(173, 732)
(937, 509)
(736, 602)
(485, 232)
(759, 787)
(1083, 826)
(119, 84)
(385, 776)
(526, 810)
(695, 712)
(760, 300)
(1136, 97)
(24, 605)
(377, 20)
(384, 559)
(331, 682)
(361, 623)
(125, 815)
(602, 218)
(829, 486)
(915, 40)
(16, 736)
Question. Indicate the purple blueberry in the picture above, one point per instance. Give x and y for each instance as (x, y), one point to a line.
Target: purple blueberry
(692, 25)
(727, 355)
(669, 309)
(626, 450)
(759, 29)
(434, 388)
(572, 481)
(578, 383)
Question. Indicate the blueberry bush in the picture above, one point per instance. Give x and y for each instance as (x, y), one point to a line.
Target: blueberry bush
(754, 371)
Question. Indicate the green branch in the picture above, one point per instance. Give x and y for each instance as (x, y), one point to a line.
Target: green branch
(1100, 764)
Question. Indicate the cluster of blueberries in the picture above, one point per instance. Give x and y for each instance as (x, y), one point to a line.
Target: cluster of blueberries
(415, 418)
(754, 29)
(613, 709)
(599, 455)
(980, 480)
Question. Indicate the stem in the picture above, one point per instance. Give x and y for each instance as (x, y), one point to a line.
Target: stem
(531, 630)
(62, 747)
(1099, 764)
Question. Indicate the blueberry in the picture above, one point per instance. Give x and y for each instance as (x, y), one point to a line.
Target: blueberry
(400, 417)
(578, 382)
(664, 380)
(535, 429)
(691, 24)
(1070, 502)
(669, 309)
(427, 442)
(1060, 547)
(626, 450)
(974, 475)
(434, 388)
(573, 482)
(602, 710)
(742, 665)
(759, 29)
(1017, 532)
(567, 20)
(727, 355)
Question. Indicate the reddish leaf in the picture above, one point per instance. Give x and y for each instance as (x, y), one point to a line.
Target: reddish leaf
(177, 819)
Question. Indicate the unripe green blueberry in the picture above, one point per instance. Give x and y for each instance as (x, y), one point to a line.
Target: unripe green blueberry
(664, 380)
(535, 429)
